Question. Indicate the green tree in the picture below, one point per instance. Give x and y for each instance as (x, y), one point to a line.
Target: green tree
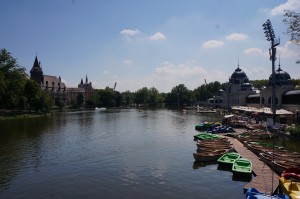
(292, 20)
(127, 98)
(30, 91)
(79, 99)
(103, 97)
(142, 96)
(154, 97)
(12, 81)
(43, 101)
(259, 83)
(179, 96)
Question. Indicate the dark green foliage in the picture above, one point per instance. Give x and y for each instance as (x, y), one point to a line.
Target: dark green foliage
(12, 81)
(259, 83)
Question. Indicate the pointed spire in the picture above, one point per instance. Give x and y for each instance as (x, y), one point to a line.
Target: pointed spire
(238, 62)
(36, 63)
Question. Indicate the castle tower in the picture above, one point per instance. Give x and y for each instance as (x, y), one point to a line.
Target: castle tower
(36, 72)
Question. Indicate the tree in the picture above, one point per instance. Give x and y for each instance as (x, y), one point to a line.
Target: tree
(292, 20)
(127, 98)
(30, 91)
(79, 99)
(142, 96)
(43, 101)
(179, 96)
(12, 81)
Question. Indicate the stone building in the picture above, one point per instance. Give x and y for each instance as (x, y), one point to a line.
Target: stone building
(61, 95)
(240, 92)
(55, 87)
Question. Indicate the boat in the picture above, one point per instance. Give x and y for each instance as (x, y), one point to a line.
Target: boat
(228, 158)
(257, 149)
(207, 136)
(278, 165)
(253, 193)
(206, 125)
(220, 129)
(242, 167)
(209, 156)
(293, 170)
(290, 184)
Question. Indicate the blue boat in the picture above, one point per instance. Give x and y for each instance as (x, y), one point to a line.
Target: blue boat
(253, 193)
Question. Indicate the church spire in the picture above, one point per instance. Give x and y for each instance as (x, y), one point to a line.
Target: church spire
(279, 68)
(36, 63)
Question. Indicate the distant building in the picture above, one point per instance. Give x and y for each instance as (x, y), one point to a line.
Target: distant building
(85, 89)
(240, 92)
(55, 87)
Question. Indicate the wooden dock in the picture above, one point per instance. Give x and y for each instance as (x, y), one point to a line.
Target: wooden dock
(262, 172)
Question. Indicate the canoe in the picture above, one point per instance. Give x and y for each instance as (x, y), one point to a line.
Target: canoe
(209, 156)
(290, 185)
(228, 158)
(242, 166)
(253, 193)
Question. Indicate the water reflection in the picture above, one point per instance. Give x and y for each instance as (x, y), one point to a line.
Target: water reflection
(108, 154)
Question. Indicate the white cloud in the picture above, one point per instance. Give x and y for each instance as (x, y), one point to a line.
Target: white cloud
(288, 50)
(293, 5)
(190, 73)
(236, 37)
(127, 62)
(158, 36)
(254, 51)
(106, 72)
(129, 32)
(213, 44)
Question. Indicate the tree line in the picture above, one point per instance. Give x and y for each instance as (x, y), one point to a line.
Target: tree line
(19, 92)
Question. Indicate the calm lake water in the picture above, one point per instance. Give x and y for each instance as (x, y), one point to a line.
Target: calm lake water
(123, 154)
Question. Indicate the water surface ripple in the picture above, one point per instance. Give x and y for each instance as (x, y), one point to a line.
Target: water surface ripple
(122, 154)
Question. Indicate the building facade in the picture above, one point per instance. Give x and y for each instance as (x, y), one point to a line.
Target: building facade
(53, 85)
(61, 95)
(240, 92)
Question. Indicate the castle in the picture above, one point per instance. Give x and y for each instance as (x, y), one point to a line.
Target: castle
(57, 89)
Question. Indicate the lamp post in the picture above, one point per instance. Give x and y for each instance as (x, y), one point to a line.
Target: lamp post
(270, 35)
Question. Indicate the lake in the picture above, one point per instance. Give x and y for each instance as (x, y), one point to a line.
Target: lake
(107, 154)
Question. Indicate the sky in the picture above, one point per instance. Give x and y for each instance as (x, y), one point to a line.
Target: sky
(142, 43)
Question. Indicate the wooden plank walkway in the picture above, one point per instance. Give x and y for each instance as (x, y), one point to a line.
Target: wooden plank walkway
(263, 173)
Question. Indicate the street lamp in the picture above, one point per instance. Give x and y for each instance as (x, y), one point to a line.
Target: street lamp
(270, 35)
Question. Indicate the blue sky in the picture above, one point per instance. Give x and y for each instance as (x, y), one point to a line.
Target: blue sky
(140, 43)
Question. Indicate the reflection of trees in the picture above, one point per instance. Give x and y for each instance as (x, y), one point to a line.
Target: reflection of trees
(21, 144)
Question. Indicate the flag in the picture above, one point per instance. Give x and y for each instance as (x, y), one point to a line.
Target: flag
(205, 81)
(115, 85)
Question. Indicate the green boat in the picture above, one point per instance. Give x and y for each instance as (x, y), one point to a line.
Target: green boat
(228, 158)
(242, 167)
(207, 136)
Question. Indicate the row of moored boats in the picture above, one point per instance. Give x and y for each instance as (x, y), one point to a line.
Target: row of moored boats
(217, 148)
